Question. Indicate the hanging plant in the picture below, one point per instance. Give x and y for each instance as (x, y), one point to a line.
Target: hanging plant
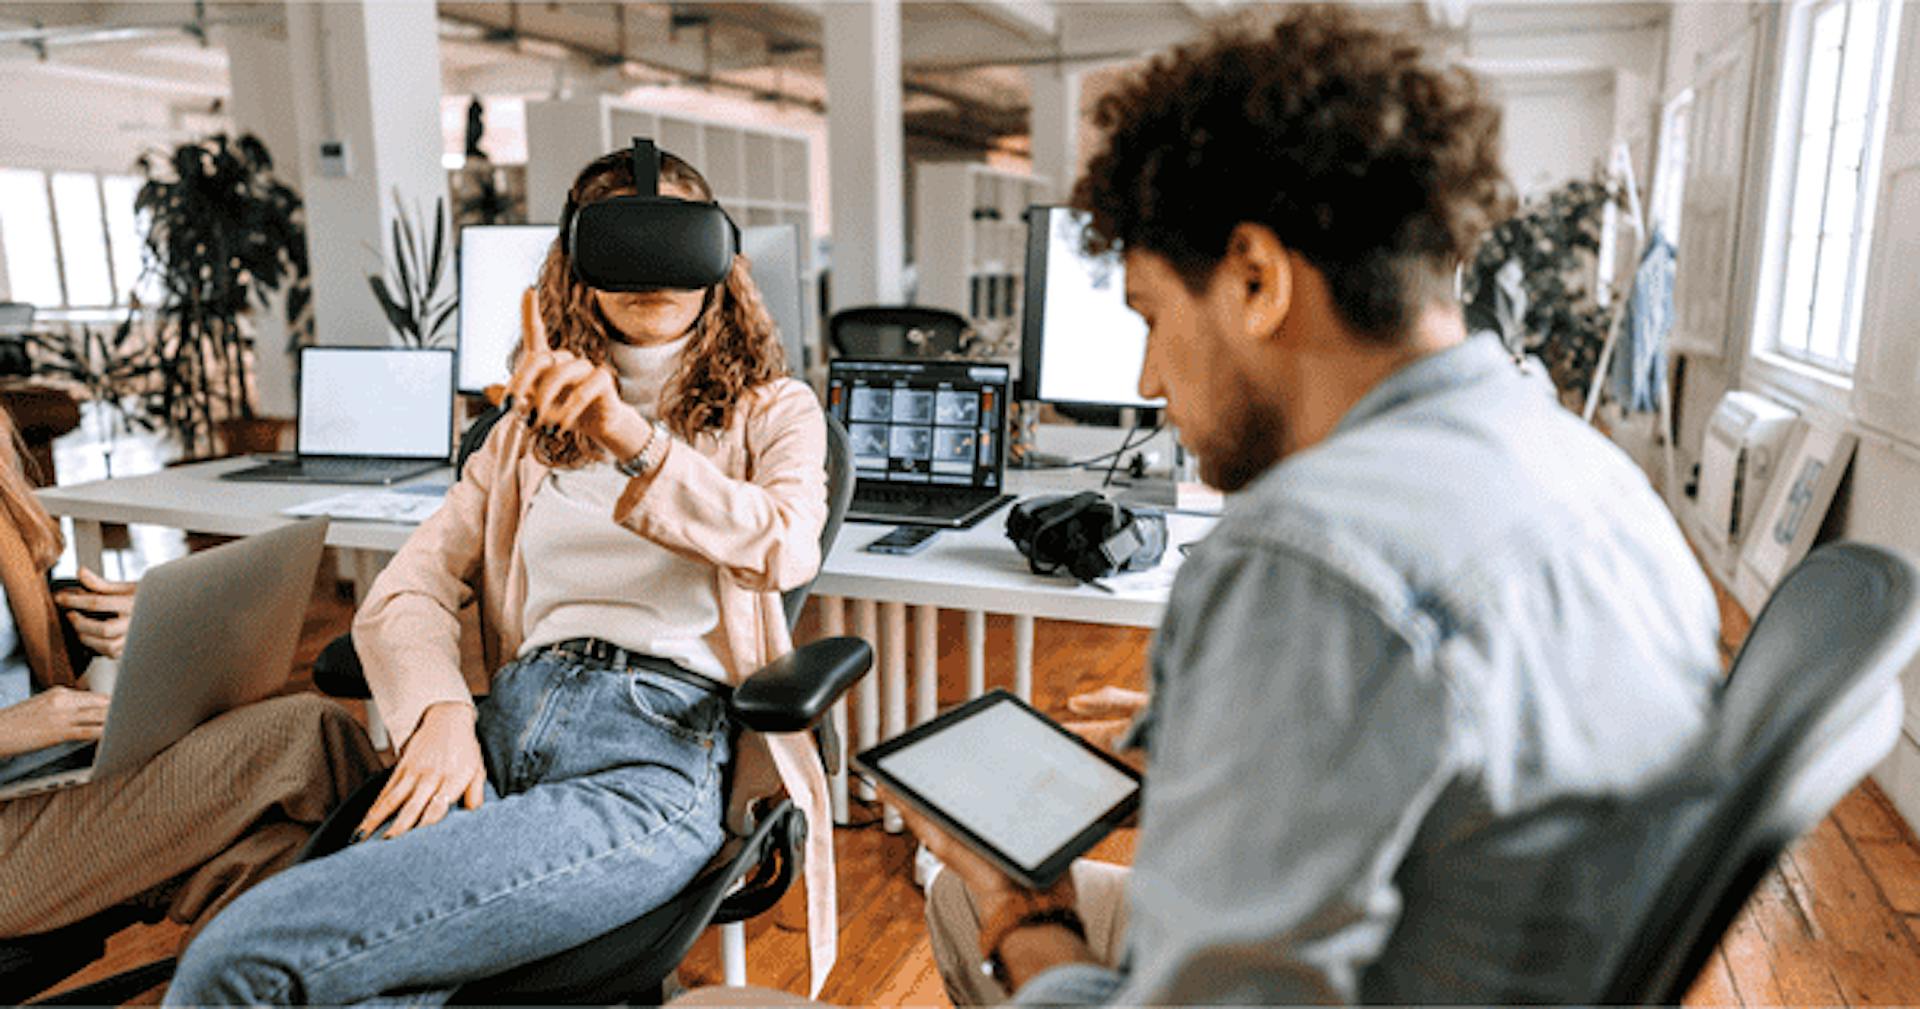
(1555, 243)
(223, 233)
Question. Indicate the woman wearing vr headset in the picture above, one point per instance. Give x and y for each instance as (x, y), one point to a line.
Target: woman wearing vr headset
(625, 530)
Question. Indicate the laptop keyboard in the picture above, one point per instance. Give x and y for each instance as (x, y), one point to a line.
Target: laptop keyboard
(914, 502)
(346, 470)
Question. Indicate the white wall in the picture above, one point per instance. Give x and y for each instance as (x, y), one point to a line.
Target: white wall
(1555, 129)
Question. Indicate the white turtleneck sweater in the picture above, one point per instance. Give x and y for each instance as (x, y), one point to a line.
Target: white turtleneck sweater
(588, 577)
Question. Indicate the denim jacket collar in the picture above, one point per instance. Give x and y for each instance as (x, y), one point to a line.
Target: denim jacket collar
(1469, 362)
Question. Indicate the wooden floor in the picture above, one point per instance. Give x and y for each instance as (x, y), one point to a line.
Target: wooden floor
(1838, 922)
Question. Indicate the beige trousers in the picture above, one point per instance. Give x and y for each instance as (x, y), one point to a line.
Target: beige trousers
(215, 813)
(953, 924)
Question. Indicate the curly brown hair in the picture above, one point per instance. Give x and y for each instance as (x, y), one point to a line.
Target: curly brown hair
(734, 346)
(1377, 166)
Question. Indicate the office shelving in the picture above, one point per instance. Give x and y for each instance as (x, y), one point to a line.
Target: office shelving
(970, 237)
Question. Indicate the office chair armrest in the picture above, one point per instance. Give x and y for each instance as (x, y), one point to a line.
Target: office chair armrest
(337, 671)
(794, 691)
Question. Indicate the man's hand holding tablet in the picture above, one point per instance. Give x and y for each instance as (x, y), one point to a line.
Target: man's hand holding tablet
(1007, 799)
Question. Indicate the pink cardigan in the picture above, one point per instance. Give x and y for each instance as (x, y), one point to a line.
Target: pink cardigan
(749, 500)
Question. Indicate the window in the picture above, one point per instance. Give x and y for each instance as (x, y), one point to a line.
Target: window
(26, 225)
(1833, 102)
(70, 239)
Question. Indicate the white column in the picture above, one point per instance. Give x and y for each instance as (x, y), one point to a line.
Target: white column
(893, 684)
(1023, 657)
(976, 654)
(866, 624)
(926, 663)
(365, 75)
(864, 142)
(260, 99)
(1055, 125)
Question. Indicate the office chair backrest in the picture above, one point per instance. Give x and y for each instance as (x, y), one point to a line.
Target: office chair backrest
(16, 317)
(896, 331)
(1811, 706)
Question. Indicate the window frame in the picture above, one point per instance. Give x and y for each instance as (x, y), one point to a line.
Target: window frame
(120, 288)
(1810, 376)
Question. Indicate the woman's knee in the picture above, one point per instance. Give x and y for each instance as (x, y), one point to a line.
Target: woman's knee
(236, 961)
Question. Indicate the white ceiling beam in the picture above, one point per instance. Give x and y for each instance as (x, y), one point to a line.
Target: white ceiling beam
(1034, 20)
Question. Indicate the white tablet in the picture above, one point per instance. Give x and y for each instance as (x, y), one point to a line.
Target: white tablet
(1009, 782)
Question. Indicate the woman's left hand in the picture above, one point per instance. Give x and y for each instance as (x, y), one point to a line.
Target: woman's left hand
(561, 390)
(108, 609)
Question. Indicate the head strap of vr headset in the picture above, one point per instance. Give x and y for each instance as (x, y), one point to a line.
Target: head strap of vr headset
(646, 167)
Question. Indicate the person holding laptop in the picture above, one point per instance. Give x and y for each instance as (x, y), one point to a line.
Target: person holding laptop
(1417, 699)
(626, 533)
(221, 809)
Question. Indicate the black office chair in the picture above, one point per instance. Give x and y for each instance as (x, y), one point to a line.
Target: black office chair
(1812, 705)
(764, 851)
(884, 331)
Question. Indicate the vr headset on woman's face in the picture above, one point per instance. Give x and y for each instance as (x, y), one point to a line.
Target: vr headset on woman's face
(649, 242)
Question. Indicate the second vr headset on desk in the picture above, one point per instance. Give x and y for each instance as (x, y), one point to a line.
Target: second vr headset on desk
(648, 242)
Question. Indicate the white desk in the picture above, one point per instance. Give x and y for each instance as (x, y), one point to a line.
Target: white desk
(975, 570)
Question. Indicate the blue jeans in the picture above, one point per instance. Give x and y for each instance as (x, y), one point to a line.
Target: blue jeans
(603, 801)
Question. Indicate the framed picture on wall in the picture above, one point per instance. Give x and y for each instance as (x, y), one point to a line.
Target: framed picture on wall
(1792, 512)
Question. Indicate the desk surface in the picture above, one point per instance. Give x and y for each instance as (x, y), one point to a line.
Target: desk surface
(973, 569)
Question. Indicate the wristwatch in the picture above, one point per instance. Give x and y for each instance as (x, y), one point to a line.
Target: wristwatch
(1026, 911)
(650, 454)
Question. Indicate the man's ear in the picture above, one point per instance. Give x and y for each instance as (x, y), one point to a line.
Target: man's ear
(1261, 270)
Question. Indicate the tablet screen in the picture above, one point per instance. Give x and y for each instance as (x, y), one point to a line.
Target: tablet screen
(1013, 779)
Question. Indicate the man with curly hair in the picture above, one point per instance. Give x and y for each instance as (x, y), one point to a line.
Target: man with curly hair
(1424, 703)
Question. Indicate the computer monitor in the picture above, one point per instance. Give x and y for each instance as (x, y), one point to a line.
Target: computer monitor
(375, 401)
(1080, 343)
(773, 250)
(497, 263)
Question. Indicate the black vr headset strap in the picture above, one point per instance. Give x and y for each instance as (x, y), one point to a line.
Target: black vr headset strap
(646, 167)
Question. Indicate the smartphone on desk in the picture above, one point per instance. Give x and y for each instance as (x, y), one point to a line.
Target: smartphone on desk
(904, 540)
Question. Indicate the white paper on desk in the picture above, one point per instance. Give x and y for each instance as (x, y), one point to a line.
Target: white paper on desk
(405, 507)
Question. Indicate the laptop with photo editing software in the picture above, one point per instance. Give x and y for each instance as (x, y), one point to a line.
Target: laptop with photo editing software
(928, 439)
(368, 415)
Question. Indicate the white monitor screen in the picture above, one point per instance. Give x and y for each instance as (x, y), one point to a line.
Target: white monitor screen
(497, 263)
(1090, 343)
(774, 252)
(1017, 782)
(366, 401)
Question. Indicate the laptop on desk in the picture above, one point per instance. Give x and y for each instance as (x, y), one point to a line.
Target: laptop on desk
(928, 439)
(368, 415)
(175, 675)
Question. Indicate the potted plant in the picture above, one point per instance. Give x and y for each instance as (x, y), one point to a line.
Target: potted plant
(223, 233)
(419, 312)
(1530, 282)
(115, 369)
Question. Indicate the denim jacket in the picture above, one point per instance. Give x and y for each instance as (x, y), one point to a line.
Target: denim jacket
(1421, 704)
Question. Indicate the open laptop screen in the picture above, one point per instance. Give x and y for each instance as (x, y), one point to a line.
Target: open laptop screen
(366, 401)
(922, 422)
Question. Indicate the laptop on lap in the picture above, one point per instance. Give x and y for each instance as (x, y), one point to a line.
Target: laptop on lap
(368, 415)
(211, 632)
(928, 439)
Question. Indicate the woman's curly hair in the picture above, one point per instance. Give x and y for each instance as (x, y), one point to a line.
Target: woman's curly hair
(734, 346)
(1378, 167)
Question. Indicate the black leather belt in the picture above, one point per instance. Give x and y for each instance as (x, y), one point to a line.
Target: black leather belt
(610, 654)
